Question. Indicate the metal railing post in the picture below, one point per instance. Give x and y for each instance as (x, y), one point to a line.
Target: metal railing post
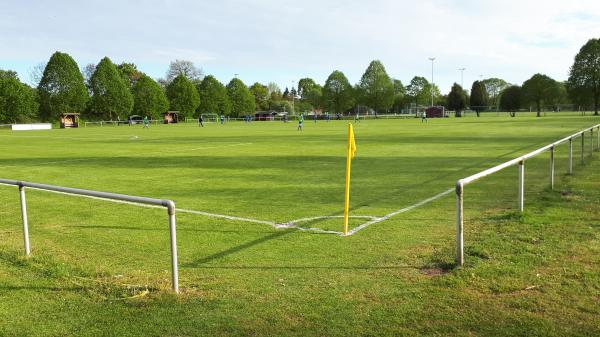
(25, 221)
(173, 235)
(521, 197)
(460, 258)
(570, 169)
(582, 146)
(591, 142)
(552, 168)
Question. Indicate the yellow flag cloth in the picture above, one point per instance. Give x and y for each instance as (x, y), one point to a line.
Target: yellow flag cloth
(351, 143)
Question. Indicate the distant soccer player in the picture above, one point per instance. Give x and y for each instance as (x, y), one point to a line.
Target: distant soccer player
(201, 121)
(146, 122)
(357, 118)
(424, 117)
(300, 121)
(222, 119)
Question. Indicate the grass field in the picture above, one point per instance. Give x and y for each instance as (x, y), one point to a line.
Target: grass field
(102, 269)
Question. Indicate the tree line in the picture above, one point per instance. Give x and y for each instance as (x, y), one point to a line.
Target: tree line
(108, 91)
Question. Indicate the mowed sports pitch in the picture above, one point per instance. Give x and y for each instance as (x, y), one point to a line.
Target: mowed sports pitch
(248, 192)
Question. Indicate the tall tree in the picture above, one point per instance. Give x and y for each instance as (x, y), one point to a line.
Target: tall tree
(184, 68)
(510, 99)
(18, 101)
(584, 75)
(129, 73)
(338, 94)
(305, 85)
(61, 89)
(418, 91)
(111, 98)
(494, 86)
(8, 74)
(242, 101)
(183, 96)
(376, 88)
(479, 97)
(261, 96)
(149, 99)
(399, 95)
(457, 100)
(213, 97)
(539, 89)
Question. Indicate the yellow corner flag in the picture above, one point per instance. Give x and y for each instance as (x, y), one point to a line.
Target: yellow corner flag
(350, 154)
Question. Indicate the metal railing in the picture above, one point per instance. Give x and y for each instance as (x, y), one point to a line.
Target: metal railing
(520, 161)
(168, 204)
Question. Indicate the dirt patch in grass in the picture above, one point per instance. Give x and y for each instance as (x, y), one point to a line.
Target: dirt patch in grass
(433, 272)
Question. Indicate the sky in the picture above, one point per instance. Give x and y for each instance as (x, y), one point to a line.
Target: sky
(283, 41)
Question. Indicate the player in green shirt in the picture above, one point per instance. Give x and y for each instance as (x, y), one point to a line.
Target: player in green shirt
(300, 121)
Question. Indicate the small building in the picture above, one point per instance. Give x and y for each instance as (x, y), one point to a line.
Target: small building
(435, 112)
(171, 117)
(69, 120)
(265, 116)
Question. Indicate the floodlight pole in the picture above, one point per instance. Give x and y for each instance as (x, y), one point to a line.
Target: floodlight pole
(293, 109)
(461, 76)
(432, 59)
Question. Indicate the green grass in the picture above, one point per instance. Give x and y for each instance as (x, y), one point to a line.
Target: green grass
(102, 269)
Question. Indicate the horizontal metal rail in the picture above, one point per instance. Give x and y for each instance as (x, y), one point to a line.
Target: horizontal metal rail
(520, 161)
(168, 204)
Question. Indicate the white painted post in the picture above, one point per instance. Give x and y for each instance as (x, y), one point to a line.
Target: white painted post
(570, 170)
(521, 197)
(172, 231)
(460, 258)
(25, 222)
(552, 168)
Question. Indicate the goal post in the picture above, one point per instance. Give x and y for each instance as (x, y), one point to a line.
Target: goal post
(168, 204)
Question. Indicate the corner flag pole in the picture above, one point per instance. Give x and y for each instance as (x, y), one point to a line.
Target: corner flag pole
(350, 154)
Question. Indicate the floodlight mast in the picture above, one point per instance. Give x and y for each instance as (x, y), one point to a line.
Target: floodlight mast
(461, 76)
(432, 59)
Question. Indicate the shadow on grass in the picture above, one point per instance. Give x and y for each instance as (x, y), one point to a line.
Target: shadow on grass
(233, 250)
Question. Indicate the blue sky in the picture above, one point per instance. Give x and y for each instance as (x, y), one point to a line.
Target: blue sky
(283, 41)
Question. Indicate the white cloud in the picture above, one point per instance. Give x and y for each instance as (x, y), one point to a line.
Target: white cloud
(285, 40)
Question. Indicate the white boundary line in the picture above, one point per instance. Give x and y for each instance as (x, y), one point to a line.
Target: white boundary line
(290, 224)
(402, 210)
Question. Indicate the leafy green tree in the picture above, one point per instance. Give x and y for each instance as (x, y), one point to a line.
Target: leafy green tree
(494, 86)
(61, 89)
(305, 85)
(242, 100)
(213, 97)
(417, 91)
(185, 68)
(149, 99)
(338, 94)
(584, 75)
(8, 74)
(510, 99)
(539, 89)
(457, 100)
(129, 73)
(479, 97)
(183, 96)
(399, 96)
(18, 101)
(261, 96)
(376, 88)
(111, 98)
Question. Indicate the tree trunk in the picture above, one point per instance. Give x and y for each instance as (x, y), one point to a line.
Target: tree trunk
(539, 109)
(596, 104)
